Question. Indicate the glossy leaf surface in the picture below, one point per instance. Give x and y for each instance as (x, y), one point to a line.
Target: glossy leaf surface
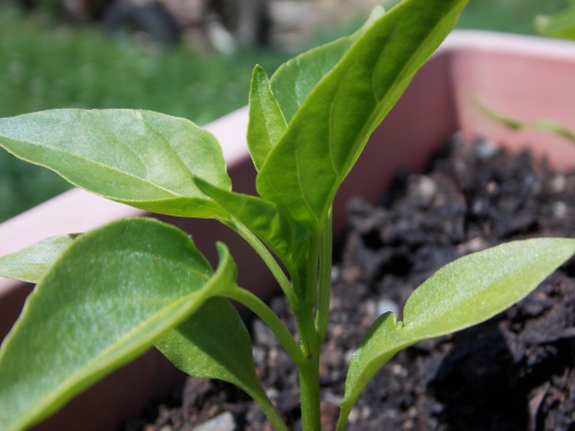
(140, 158)
(465, 292)
(266, 120)
(106, 299)
(31, 263)
(330, 129)
(294, 80)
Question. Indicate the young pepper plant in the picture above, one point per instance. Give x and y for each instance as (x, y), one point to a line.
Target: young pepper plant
(105, 296)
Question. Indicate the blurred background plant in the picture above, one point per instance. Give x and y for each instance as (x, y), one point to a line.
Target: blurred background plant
(47, 63)
(561, 25)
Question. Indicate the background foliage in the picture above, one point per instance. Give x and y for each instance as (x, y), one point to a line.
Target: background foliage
(45, 64)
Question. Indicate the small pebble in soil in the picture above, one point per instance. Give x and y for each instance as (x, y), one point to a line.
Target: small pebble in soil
(222, 422)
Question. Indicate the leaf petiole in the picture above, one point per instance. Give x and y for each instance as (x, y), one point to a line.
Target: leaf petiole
(245, 297)
(267, 257)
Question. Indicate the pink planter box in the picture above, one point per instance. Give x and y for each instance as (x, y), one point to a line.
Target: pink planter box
(522, 77)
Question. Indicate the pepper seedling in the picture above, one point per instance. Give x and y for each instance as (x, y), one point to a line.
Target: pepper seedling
(104, 297)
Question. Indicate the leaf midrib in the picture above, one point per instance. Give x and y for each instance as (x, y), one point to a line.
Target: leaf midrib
(80, 375)
(100, 165)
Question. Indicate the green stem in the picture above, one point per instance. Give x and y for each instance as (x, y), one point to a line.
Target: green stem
(310, 396)
(270, 412)
(310, 292)
(269, 260)
(255, 304)
(309, 371)
(325, 253)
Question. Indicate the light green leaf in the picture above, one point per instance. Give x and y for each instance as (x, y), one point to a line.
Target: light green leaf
(546, 125)
(109, 295)
(215, 343)
(330, 129)
(270, 222)
(140, 158)
(266, 120)
(294, 80)
(31, 263)
(560, 25)
(463, 293)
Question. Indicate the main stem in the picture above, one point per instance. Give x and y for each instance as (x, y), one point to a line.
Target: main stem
(310, 397)
(312, 331)
(309, 373)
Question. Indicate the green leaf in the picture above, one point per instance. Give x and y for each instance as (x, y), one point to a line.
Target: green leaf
(560, 25)
(330, 129)
(294, 80)
(31, 263)
(545, 125)
(463, 293)
(214, 343)
(266, 120)
(109, 295)
(140, 158)
(270, 222)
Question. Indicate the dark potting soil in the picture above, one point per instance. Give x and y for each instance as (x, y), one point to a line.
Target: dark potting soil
(514, 372)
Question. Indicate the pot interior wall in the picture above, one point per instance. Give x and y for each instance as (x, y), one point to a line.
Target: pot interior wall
(521, 77)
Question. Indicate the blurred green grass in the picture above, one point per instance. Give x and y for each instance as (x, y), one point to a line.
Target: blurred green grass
(45, 64)
(512, 16)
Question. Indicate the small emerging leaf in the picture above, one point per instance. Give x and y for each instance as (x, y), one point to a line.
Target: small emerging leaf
(140, 158)
(463, 293)
(109, 295)
(31, 263)
(266, 120)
